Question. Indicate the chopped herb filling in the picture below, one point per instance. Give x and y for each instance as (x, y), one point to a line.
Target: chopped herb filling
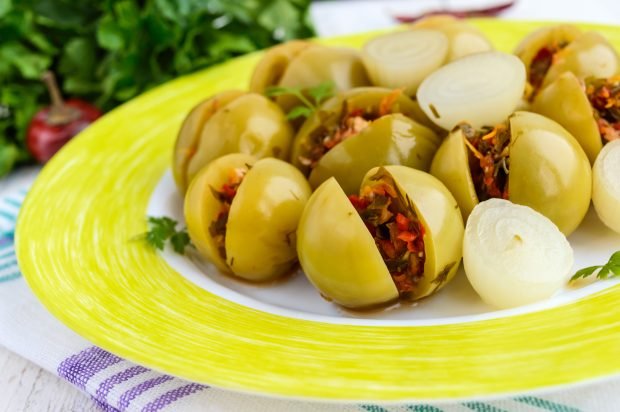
(604, 95)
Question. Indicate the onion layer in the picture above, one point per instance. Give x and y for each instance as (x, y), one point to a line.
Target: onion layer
(514, 255)
(481, 89)
(606, 185)
(404, 59)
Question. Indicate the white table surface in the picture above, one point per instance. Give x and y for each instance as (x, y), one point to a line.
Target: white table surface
(26, 387)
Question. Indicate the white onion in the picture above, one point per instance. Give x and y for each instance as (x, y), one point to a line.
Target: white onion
(606, 185)
(513, 255)
(404, 59)
(481, 89)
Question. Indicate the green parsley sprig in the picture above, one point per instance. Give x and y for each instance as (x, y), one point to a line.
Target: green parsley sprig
(608, 270)
(163, 229)
(311, 98)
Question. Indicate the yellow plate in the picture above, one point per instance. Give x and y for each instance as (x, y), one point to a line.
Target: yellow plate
(74, 247)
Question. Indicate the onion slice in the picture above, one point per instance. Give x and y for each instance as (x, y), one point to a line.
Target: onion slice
(514, 255)
(606, 185)
(403, 59)
(481, 89)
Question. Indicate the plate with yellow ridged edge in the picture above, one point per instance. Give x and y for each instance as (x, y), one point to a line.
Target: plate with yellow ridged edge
(76, 246)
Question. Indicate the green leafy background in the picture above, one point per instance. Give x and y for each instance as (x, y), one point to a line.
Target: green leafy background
(110, 51)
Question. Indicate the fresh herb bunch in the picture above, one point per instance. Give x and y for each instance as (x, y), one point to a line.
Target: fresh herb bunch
(311, 98)
(164, 229)
(109, 51)
(609, 269)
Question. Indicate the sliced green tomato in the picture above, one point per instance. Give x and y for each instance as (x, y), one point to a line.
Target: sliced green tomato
(394, 139)
(451, 166)
(544, 37)
(274, 63)
(338, 254)
(260, 234)
(439, 214)
(588, 55)
(549, 171)
(201, 208)
(367, 98)
(250, 124)
(318, 64)
(565, 102)
(191, 129)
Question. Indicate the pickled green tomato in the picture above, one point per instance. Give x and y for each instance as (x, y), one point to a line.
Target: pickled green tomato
(274, 63)
(346, 265)
(319, 64)
(262, 222)
(549, 171)
(249, 123)
(565, 101)
(191, 129)
(395, 138)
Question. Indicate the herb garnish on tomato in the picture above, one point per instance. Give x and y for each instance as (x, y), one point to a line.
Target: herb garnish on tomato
(397, 231)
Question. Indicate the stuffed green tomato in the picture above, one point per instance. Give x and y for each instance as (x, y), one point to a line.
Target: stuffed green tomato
(229, 122)
(589, 109)
(242, 215)
(551, 51)
(400, 237)
(529, 159)
(361, 129)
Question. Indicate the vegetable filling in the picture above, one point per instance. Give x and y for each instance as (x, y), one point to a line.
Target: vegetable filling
(540, 66)
(352, 121)
(489, 159)
(397, 231)
(604, 95)
(225, 195)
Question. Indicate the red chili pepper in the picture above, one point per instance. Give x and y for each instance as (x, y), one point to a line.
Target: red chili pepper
(402, 222)
(53, 126)
(406, 236)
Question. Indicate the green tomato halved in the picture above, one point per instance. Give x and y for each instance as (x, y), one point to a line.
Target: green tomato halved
(565, 101)
(549, 171)
(260, 230)
(340, 258)
(230, 122)
(394, 138)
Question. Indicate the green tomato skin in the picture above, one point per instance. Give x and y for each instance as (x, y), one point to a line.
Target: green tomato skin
(262, 224)
(263, 217)
(451, 166)
(394, 139)
(588, 55)
(341, 259)
(201, 208)
(565, 102)
(274, 63)
(367, 98)
(318, 64)
(191, 129)
(338, 254)
(250, 124)
(549, 171)
(439, 213)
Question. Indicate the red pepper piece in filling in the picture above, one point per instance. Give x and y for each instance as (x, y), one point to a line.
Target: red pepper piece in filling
(489, 159)
(225, 195)
(398, 233)
(540, 64)
(604, 96)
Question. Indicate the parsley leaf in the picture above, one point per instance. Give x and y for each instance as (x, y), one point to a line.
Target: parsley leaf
(608, 270)
(162, 229)
(311, 98)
